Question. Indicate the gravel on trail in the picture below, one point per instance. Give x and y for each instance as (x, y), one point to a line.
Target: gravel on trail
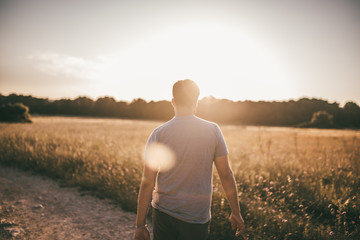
(36, 207)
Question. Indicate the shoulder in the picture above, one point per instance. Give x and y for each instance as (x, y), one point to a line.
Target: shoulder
(209, 124)
(162, 127)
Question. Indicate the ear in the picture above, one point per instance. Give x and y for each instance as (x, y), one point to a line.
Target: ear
(173, 102)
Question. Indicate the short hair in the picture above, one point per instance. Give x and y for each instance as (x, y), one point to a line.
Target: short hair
(185, 92)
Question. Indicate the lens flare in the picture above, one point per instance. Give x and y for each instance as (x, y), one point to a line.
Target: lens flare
(159, 157)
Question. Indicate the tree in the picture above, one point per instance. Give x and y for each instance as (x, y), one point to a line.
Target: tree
(14, 112)
(105, 106)
(351, 115)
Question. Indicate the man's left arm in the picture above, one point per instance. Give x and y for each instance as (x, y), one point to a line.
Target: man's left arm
(228, 182)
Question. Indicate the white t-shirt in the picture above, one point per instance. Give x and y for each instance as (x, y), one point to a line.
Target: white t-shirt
(184, 191)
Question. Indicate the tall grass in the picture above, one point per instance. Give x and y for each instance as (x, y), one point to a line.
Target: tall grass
(293, 183)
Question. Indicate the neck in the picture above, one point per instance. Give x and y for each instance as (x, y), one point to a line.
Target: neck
(184, 111)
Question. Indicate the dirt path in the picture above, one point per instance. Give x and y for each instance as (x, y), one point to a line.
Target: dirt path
(35, 207)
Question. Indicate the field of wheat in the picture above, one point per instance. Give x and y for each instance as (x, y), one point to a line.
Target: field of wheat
(293, 183)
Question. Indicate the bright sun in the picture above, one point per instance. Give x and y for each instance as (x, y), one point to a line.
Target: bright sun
(225, 63)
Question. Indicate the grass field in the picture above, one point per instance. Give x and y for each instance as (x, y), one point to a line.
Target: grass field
(293, 183)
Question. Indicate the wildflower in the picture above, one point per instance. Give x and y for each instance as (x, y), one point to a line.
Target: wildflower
(354, 206)
(265, 225)
(329, 206)
(296, 179)
(284, 220)
(271, 182)
(289, 179)
(331, 233)
(291, 194)
(343, 213)
(301, 206)
(354, 197)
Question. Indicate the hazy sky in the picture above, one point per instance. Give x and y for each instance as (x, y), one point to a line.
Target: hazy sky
(255, 50)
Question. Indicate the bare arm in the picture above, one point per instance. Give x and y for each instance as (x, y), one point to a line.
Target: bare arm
(229, 185)
(144, 199)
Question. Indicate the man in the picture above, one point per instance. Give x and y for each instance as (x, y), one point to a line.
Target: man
(182, 196)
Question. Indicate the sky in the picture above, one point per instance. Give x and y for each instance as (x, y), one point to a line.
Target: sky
(272, 50)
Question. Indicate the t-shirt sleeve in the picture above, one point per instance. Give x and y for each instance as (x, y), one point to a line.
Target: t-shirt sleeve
(152, 139)
(221, 148)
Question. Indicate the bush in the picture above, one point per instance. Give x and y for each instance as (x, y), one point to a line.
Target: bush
(322, 119)
(14, 112)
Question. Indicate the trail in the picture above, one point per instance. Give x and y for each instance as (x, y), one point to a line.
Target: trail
(35, 207)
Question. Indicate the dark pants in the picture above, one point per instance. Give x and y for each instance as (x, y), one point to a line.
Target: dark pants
(166, 227)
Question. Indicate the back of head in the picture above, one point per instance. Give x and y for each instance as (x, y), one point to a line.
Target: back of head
(185, 93)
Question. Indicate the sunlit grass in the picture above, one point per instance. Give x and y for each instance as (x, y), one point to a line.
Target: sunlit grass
(293, 183)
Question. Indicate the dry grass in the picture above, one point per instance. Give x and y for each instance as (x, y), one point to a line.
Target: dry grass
(294, 183)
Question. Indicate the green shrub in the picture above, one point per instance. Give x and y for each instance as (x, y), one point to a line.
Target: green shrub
(14, 112)
(322, 119)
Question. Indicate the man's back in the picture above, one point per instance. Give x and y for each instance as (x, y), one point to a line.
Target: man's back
(182, 195)
(184, 190)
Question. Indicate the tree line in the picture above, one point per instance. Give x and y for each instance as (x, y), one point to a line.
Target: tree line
(304, 112)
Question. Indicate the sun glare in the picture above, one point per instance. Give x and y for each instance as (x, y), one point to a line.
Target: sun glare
(226, 63)
(159, 157)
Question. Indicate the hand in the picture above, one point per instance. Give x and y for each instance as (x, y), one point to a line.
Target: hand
(237, 223)
(142, 234)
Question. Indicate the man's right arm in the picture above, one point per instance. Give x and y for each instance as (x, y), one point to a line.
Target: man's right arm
(144, 199)
(229, 185)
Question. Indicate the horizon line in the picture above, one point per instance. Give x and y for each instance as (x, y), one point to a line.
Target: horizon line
(210, 96)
